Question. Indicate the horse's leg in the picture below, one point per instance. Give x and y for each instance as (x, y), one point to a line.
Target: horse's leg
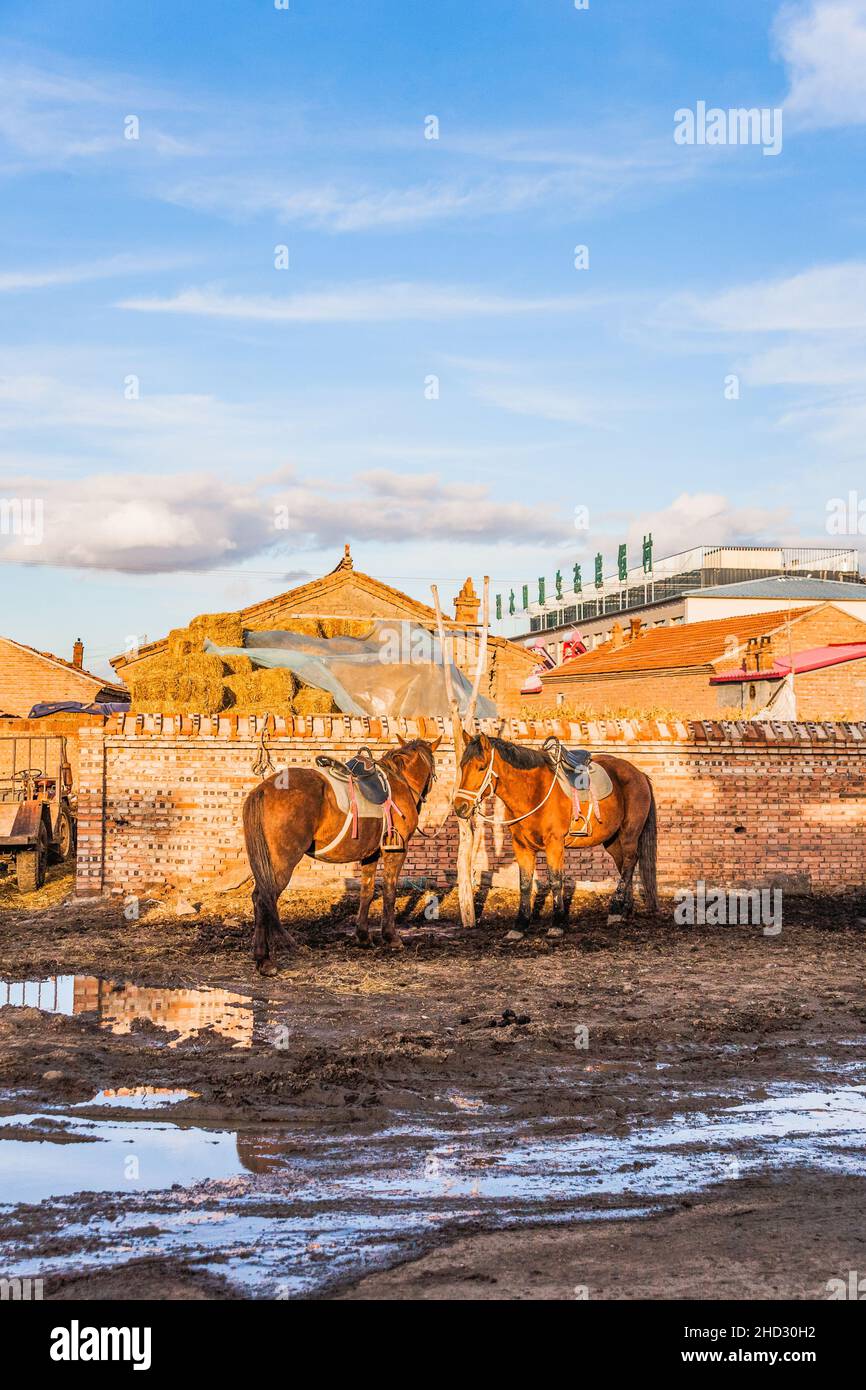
(525, 855)
(554, 851)
(623, 851)
(368, 885)
(267, 923)
(391, 866)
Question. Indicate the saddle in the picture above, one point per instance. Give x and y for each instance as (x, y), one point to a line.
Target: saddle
(583, 780)
(363, 770)
(362, 791)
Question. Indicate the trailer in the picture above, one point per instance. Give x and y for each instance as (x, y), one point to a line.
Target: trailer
(37, 806)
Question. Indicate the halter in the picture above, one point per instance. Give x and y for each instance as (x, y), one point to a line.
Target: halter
(487, 783)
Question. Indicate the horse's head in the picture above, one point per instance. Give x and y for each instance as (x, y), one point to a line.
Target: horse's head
(476, 775)
(417, 757)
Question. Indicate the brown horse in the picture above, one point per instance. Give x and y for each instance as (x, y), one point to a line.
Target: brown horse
(540, 815)
(295, 810)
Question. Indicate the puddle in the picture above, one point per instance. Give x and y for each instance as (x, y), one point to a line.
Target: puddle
(117, 1005)
(282, 1214)
(138, 1098)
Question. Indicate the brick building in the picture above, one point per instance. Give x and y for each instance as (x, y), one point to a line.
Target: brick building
(348, 593)
(29, 677)
(701, 669)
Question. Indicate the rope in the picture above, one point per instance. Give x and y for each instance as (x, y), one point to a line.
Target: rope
(263, 763)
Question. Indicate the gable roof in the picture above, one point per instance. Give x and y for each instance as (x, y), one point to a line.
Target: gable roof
(99, 681)
(298, 600)
(688, 645)
(785, 587)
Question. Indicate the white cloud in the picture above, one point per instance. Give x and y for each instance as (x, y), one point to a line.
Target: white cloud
(46, 277)
(823, 44)
(355, 304)
(823, 299)
(148, 524)
(707, 518)
(53, 118)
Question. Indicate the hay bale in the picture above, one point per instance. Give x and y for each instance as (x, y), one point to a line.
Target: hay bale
(194, 687)
(346, 627)
(260, 690)
(180, 643)
(304, 627)
(237, 666)
(204, 665)
(310, 700)
(223, 629)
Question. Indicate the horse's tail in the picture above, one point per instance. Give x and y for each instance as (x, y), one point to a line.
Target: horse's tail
(266, 889)
(647, 848)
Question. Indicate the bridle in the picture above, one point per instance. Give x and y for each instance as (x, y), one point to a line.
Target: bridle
(488, 783)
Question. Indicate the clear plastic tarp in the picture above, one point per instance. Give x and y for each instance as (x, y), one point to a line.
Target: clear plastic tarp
(396, 670)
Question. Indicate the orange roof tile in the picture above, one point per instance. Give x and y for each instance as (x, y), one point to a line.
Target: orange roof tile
(663, 648)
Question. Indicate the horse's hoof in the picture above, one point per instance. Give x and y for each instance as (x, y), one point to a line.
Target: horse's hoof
(614, 917)
(395, 944)
(365, 941)
(267, 967)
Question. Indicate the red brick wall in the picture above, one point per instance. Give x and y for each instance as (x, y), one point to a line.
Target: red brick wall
(739, 804)
(26, 678)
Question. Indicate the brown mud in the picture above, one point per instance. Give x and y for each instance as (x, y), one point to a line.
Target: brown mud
(465, 1054)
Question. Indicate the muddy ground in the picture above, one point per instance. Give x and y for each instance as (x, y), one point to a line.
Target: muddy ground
(462, 1119)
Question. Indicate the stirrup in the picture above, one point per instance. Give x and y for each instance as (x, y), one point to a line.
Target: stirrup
(392, 841)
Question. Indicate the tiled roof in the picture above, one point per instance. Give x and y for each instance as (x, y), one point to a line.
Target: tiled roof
(663, 648)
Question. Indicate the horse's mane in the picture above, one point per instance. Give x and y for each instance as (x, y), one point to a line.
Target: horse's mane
(396, 756)
(516, 755)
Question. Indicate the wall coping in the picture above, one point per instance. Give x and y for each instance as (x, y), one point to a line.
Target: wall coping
(351, 729)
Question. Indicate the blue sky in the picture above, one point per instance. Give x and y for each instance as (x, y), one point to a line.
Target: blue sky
(203, 429)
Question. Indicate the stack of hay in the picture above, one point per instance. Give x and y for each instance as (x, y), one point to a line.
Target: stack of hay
(189, 680)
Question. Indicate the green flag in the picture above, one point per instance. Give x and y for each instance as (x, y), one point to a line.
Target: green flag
(599, 571)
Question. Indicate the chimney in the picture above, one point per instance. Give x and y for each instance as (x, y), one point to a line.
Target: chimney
(466, 604)
(617, 638)
(635, 626)
(78, 654)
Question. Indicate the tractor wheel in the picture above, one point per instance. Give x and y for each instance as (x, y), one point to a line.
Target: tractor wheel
(65, 842)
(30, 864)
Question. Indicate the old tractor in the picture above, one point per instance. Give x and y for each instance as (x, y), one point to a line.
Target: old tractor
(37, 813)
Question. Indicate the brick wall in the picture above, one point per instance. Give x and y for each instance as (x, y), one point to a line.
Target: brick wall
(739, 804)
(27, 678)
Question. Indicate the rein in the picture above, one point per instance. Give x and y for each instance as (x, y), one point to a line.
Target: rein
(487, 784)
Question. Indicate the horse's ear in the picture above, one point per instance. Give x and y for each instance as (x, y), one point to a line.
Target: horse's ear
(435, 744)
(402, 741)
(484, 744)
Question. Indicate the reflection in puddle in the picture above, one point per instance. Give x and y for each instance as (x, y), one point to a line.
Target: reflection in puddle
(138, 1098)
(283, 1214)
(118, 1005)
